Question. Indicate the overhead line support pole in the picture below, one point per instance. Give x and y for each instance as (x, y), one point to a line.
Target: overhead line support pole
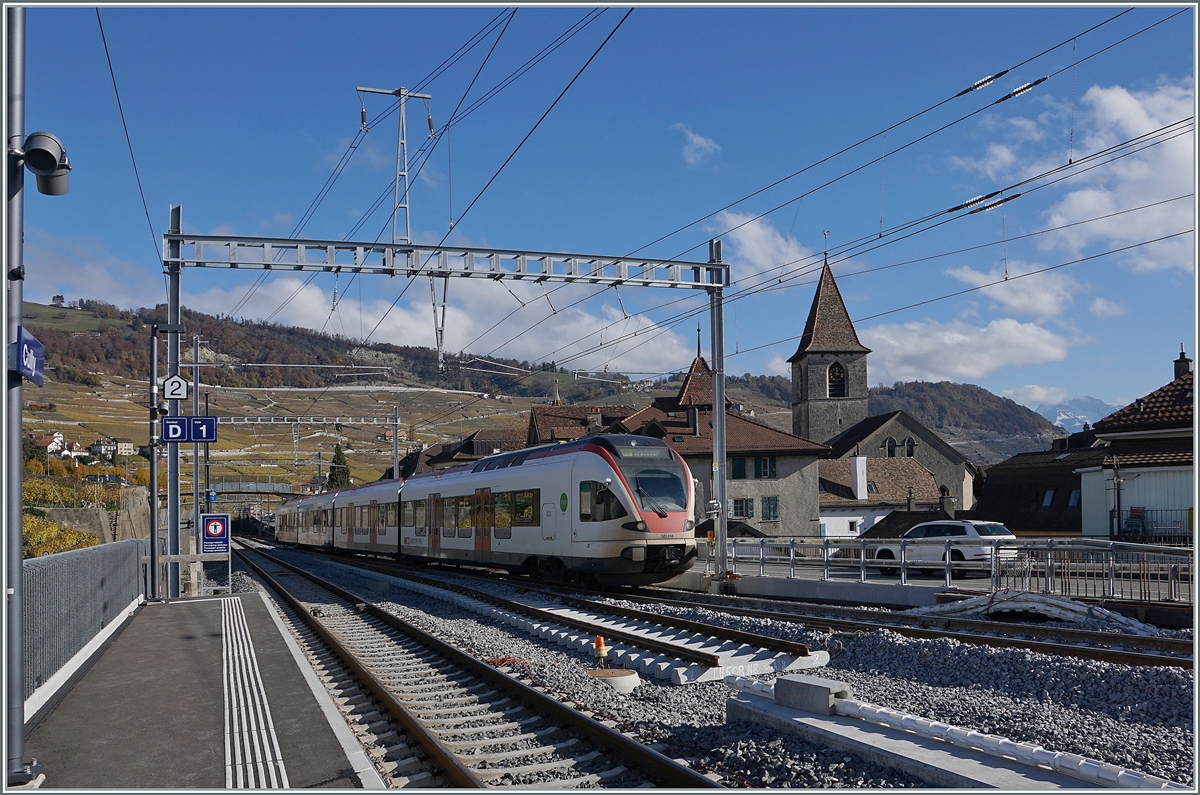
(717, 309)
(173, 319)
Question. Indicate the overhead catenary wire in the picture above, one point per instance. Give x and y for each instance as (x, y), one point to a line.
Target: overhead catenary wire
(129, 143)
(974, 87)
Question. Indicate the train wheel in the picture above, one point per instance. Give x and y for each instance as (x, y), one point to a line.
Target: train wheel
(554, 571)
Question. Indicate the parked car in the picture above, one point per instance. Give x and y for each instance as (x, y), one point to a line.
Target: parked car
(969, 541)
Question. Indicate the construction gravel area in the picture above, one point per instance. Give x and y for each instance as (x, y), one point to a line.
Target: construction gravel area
(1135, 717)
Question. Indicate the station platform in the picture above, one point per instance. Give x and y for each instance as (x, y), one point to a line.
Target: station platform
(209, 693)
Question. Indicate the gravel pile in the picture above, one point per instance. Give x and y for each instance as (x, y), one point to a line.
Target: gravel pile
(1136, 717)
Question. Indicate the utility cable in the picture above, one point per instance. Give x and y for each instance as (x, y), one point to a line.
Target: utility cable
(129, 143)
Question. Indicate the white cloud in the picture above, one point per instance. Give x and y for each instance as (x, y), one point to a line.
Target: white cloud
(78, 268)
(1102, 307)
(1032, 395)
(996, 162)
(474, 307)
(696, 148)
(1044, 295)
(1159, 172)
(777, 365)
(756, 246)
(956, 351)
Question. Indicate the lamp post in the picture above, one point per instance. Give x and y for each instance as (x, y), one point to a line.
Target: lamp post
(44, 156)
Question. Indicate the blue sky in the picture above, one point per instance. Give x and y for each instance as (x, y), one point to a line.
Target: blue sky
(241, 114)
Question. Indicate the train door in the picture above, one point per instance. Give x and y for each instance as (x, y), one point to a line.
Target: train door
(483, 520)
(433, 518)
(373, 518)
(549, 520)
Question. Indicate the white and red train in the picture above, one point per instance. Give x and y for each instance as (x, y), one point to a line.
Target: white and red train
(616, 509)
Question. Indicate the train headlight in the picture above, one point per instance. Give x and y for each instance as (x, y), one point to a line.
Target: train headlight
(689, 526)
(639, 526)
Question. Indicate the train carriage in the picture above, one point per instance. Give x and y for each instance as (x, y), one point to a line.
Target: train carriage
(613, 508)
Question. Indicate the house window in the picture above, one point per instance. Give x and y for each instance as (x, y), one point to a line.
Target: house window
(821, 487)
(1047, 498)
(872, 488)
(764, 467)
(853, 527)
(1073, 501)
(837, 381)
(770, 509)
(910, 445)
(737, 469)
(743, 509)
(890, 444)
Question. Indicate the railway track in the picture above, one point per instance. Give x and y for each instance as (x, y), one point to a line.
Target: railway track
(465, 723)
(1062, 641)
(676, 649)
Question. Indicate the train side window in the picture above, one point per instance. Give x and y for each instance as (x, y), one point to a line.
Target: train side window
(597, 503)
(407, 514)
(465, 516)
(503, 514)
(419, 516)
(525, 508)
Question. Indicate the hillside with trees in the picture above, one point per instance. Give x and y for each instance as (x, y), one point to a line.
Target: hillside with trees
(88, 337)
(965, 406)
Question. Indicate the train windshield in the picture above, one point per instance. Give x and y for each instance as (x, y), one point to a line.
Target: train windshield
(656, 476)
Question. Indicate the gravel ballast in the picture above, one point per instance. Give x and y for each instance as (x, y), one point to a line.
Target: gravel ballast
(1135, 717)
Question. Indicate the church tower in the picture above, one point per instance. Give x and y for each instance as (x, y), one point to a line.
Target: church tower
(829, 369)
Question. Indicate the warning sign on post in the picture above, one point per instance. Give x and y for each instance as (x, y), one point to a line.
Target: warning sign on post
(215, 539)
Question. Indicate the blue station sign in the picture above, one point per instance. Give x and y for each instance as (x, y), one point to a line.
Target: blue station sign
(31, 357)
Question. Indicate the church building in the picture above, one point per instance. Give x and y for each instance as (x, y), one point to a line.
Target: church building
(829, 401)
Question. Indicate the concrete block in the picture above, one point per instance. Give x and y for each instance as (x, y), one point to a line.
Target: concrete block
(810, 693)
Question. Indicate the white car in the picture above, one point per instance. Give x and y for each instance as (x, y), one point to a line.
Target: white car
(970, 541)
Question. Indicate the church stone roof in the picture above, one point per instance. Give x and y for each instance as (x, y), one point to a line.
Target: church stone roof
(828, 329)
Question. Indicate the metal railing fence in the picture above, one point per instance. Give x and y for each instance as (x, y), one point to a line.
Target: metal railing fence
(1083, 568)
(68, 597)
(1164, 527)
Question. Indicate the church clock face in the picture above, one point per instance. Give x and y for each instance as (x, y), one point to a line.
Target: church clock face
(837, 381)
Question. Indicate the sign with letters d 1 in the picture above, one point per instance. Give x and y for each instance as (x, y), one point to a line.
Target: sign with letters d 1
(215, 538)
(176, 429)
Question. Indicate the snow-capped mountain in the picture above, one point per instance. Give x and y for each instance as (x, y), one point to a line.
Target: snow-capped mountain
(1070, 415)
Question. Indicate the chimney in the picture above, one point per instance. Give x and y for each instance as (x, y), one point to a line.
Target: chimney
(912, 502)
(694, 420)
(858, 476)
(948, 506)
(594, 422)
(1183, 365)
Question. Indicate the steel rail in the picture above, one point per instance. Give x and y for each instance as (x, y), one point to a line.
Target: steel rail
(626, 638)
(651, 762)
(1049, 647)
(452, 767)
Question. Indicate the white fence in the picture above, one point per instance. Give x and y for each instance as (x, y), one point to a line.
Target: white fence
(1075, 568)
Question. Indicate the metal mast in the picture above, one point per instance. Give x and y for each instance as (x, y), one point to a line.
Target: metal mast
(400, 203)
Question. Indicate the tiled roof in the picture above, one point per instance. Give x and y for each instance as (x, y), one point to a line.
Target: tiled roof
(828, 328)
(1167, 407)
(892, 478)
(548, 419)
(742, 436)
(844, 443)
(1045, 460)
(1149, 453)
(697, 385)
